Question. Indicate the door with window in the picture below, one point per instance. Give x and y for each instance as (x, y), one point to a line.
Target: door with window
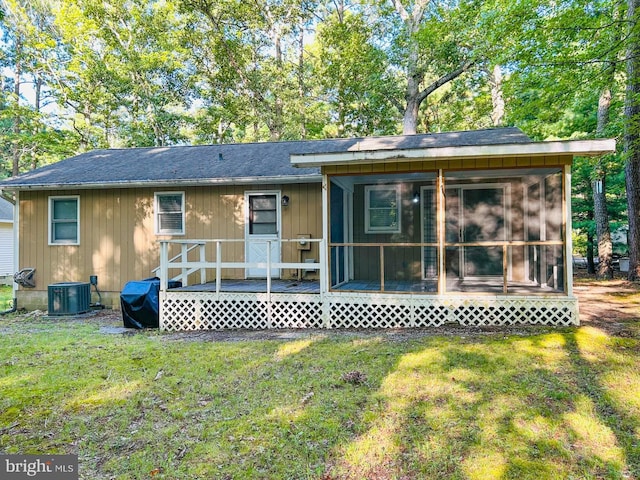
(262, 233)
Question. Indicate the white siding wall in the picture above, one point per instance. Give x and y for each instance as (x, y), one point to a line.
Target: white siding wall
(6, 249)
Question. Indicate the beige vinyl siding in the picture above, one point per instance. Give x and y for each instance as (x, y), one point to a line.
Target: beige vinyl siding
(117, 240)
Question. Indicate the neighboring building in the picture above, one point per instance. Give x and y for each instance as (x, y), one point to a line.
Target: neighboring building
(411, 230)
(6, 242)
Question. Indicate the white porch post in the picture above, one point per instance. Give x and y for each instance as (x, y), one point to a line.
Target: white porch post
(218, 266)
(440, 222)
(183, 259)
(269, 269)
(164, 265)
(325, 255)
(203, 259)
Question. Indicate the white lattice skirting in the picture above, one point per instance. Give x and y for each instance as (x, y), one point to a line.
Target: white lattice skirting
(211, 311)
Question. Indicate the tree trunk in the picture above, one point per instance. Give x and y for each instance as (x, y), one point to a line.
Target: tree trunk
(632, 139)
(497, 99)
(600, 214)
(15, 166)
(603, 233)
(415, 96)
(277, 124)
(414, 77)
(302, 90)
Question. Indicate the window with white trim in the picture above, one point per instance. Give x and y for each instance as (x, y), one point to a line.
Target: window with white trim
(64, 220)
(382, 208)
(169, 213)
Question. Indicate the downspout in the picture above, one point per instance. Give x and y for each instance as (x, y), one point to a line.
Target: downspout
(16, 225)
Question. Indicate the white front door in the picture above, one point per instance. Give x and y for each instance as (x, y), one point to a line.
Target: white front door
(262, 231)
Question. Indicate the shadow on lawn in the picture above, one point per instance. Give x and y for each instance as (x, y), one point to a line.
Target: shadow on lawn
(606, 408)
(476, 408)
(511, 408)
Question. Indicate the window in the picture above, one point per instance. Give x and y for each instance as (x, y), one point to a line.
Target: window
(263, 214)
(382, 209)
(170, 213)
(64, 220)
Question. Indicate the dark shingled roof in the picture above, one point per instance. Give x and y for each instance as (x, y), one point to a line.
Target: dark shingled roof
(6, 210)
(244, 162)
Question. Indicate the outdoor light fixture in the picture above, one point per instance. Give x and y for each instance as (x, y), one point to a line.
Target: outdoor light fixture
(416, 197)
(285, 201)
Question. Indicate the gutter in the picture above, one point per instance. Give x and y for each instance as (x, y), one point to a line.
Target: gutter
(289, 179)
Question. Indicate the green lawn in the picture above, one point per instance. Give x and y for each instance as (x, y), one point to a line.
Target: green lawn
(6, 298)
(546, 404)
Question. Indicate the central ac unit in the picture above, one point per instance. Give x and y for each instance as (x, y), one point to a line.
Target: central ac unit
(69, 298)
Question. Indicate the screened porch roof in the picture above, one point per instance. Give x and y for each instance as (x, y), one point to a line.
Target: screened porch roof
(451, 146)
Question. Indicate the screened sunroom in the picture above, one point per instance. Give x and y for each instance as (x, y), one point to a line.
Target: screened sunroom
(467, 227)
(496, 231)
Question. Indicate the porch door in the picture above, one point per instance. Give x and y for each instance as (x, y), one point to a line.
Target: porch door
(263, 225)
(483, 221)
(475, 214)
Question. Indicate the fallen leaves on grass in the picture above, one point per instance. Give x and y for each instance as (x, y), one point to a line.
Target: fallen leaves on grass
(354, 377)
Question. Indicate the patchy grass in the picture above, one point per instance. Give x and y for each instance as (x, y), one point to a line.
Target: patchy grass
(560, 403)
(6, 298)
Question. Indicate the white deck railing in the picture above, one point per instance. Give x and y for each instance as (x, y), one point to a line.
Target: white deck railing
(189, 267)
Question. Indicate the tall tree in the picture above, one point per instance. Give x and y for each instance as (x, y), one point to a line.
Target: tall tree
(599, 188)
(247, 55)
(433, 48)
(28, 136)
(353, 77)
(632, 135)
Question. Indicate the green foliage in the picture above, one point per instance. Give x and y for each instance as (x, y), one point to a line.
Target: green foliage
(353, 78)
(6, 298)
(35, 141)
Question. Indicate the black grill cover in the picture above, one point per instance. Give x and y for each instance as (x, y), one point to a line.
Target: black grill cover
(140, 304)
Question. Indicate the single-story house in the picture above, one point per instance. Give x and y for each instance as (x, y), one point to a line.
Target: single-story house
(471, 227)
(6, 242)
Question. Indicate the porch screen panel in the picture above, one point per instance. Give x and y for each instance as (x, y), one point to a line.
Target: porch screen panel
(452, 231)
(505, 231)
(429, 233)
(553, 255)
(484, 220)
(337, 236)
(533, 232)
